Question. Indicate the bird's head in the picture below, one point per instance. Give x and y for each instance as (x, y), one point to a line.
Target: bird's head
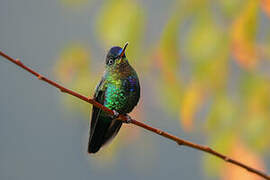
(116, 57)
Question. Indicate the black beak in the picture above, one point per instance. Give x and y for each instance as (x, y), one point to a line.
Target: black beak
(124, 49)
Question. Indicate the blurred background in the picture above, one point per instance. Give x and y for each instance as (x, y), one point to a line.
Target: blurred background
(205, 75)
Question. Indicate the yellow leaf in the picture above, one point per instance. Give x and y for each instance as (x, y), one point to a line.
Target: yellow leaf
(190, 104)
(244, 34)
(168, 50)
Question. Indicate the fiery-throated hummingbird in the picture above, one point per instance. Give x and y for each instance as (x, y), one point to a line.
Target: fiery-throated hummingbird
(118, 90)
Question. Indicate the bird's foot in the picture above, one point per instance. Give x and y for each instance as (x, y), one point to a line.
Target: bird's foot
(115, 114)
(128, 119)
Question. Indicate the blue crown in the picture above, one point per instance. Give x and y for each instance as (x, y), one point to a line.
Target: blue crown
(115, 51)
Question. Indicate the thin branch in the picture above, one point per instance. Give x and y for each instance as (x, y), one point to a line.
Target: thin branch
(124, 118)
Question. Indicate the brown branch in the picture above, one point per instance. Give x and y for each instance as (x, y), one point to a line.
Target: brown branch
(124, 118)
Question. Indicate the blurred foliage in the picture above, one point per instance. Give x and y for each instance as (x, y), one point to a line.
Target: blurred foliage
(243, 35)
(73, 69)
(241, 152)
(124, 22)
(208, 52)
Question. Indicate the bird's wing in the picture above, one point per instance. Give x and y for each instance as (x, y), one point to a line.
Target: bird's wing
(99, 96)
(94, 138)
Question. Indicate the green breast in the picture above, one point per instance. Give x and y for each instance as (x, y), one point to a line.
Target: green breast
(122, 94)
(115, 97)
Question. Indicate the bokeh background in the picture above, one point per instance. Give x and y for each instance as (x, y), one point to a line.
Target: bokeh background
(205, 74)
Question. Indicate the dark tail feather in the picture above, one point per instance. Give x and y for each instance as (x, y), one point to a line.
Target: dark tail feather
(96, 140)
(94, 146)
(112, 131)
(103, 133)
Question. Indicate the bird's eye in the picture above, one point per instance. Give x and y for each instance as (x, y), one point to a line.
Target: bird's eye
(110, 62)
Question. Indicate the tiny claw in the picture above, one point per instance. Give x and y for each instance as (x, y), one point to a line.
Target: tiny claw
(128, 119)
(62, 90)
(115, 114)
(180, 143)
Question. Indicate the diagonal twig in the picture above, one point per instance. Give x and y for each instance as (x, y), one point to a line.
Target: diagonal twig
(124, 118)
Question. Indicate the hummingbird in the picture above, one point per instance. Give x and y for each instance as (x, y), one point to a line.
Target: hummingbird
(118, 90)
